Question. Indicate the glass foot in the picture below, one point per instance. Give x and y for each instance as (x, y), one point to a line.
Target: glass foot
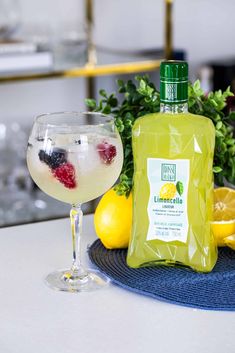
(64, 280)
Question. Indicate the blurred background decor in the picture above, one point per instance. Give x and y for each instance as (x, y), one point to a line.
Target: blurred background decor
(9, 18)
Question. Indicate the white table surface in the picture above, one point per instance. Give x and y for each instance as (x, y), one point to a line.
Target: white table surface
(36, 319)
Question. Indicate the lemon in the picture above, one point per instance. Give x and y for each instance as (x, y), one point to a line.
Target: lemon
(113, 218)
(223, 226)
(168, 191)
(230, 241)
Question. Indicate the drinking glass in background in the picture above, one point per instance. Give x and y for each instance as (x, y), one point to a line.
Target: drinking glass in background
(75, 157)
(15, 182)
(9, 18)
(39, 33)
(69, 44)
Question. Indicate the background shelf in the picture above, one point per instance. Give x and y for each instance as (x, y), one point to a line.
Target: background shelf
(107, 65)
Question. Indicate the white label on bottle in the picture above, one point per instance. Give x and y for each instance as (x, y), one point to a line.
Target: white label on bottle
(167, 207)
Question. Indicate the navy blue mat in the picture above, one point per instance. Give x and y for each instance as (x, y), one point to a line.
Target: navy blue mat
(182, 286)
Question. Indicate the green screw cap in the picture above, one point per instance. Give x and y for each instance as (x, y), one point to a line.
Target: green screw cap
(174, 82)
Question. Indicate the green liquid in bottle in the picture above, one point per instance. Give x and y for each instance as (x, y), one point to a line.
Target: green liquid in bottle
(173, 189)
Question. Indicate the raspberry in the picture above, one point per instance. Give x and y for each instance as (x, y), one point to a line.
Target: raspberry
(65, 173)
(107, 152)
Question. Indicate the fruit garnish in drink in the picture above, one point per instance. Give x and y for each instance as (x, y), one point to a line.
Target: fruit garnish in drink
(60, 168)
(107, 152)
(65, 174)
(54, 159)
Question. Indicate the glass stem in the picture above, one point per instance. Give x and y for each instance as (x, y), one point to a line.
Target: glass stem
(76, 216)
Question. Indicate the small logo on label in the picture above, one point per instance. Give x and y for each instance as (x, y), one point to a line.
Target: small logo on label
(168, 172)
(171, 91)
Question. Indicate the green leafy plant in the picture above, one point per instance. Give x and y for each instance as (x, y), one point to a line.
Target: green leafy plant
(141, 97)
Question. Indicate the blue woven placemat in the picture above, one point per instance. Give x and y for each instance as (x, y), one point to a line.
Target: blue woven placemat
(182, 286)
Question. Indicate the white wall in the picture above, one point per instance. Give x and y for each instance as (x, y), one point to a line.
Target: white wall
(204, 28)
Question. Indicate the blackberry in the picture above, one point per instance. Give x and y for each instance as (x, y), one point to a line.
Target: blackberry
(54, 159)
(44, 157)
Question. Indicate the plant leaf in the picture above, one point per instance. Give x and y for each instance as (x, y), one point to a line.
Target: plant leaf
(217, 169)
(91, 103)
(180, 187)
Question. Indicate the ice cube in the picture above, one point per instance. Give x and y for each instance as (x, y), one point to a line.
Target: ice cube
(85, 157)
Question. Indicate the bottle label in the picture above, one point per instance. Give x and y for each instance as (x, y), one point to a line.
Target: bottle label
(173, 92)
(167, 207)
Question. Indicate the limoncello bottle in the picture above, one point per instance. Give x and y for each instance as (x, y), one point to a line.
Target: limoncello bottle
(173, 181)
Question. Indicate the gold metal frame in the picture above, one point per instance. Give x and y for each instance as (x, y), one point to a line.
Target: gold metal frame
(168, 29)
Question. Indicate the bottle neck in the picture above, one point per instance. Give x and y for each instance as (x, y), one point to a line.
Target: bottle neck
(174, 108)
